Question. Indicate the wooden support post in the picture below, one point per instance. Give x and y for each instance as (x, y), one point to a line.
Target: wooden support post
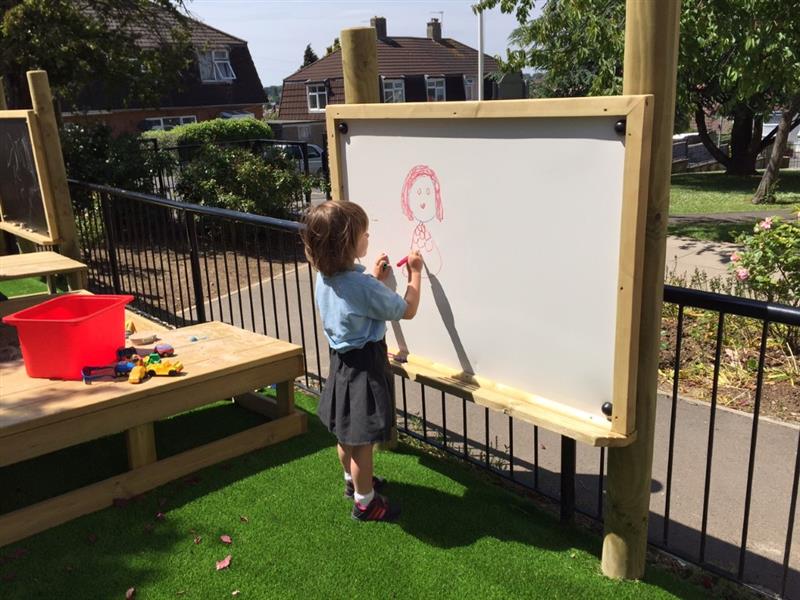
(360, 68)
(3, 106)
(360, 65)
(141, 442)
(42, 102)
(651, 48)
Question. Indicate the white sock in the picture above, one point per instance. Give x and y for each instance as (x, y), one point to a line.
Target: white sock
(348, 478)
(364, 500)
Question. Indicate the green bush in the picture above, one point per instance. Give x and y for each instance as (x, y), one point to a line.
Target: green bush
(236, 179)
(769, 265)
(93, 154)
(216, 130)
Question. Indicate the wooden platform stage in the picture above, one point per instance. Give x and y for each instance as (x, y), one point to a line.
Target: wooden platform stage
(38, 416)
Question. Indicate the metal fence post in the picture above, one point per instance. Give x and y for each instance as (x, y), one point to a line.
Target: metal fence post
(111, 244)
(194, 260)
(567, 479)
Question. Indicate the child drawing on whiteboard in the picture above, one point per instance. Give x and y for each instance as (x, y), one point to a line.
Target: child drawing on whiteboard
(356, 403)
(421, 201)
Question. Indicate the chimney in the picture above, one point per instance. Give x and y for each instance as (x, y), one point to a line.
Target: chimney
(379, 23)
(435, 30)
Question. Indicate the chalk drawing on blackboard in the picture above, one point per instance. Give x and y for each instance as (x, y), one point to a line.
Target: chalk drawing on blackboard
(20, 191)
(421, 201)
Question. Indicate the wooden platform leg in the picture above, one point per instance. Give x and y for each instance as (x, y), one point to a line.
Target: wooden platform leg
(285, 393)
(141, 442)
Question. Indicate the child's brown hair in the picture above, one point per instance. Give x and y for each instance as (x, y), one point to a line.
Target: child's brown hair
(331, 235)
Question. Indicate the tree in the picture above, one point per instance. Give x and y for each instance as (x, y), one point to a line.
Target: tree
(738, 58)
(766, 189)
(309, 56)
(89, 48)
(336, 46)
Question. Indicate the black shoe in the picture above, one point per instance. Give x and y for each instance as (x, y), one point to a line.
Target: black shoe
(377, 510)
(350, 488)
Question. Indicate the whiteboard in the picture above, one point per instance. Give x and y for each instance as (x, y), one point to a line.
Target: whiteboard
(519, 223)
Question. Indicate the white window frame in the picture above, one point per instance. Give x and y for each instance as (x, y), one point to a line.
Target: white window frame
(217, 66)
(470, 87)
(315, 91)
(436, 87)
(394, 90)
(158, 122)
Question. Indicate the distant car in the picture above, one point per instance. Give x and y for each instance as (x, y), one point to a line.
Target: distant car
(315, 156)
(771, 123)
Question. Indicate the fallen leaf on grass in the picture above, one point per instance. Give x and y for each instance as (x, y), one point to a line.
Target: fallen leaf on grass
(244, 519)
(160, 516)
(130, 594)
(224, 563)
(226, 539)
(21, 553)
(197, 539)
(193, 480)
(91, 538)
(235, 593)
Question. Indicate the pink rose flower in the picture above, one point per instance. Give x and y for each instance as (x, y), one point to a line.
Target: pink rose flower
(742, 274)
(735, 257)
(765, 224)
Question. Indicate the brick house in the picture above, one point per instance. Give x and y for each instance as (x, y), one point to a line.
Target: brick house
(411, 69)
(221, 82)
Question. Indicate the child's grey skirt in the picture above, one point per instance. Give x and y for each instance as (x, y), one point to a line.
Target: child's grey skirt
(356, 403)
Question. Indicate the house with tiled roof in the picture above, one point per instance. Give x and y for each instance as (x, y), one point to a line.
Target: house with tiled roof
(221, 82)
(411, 69)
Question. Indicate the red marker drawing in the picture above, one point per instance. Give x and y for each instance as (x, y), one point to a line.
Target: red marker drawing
(402, 261)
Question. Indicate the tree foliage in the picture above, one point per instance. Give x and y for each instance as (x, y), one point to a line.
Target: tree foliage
(90, 47)
(309, 56)
(335, 46)
(737, 58)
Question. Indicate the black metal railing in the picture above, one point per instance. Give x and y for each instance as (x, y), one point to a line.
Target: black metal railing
(187, 263)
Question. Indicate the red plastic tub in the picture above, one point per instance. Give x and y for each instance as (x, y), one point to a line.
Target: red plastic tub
(61, 336)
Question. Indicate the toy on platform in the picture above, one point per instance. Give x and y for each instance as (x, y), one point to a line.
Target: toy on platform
(119, 369)
(155, 366)
(161, 349)
(138, 372)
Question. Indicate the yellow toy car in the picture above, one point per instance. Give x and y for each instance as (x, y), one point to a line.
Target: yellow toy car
(164, 367)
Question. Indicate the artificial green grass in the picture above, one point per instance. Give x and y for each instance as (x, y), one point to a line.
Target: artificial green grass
(20, 287)
(715, 192)
(458, 537)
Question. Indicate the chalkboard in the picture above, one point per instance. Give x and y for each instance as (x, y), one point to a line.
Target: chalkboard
(529, 217)
(21, 198)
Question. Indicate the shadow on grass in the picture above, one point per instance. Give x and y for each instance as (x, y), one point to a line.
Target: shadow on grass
(712, 230)
(747, 184)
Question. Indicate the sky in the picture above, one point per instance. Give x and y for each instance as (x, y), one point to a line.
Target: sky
(277, 31)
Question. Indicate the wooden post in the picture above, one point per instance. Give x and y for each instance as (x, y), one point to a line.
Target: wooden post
(42, 102)
(651, 47)
(3, 106)
(360, 69)
(360, 65)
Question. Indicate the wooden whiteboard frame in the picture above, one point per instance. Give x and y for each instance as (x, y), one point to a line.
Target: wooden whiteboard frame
(637, 111)
(40, 162)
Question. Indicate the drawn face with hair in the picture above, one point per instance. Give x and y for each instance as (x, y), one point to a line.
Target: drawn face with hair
(422, 199)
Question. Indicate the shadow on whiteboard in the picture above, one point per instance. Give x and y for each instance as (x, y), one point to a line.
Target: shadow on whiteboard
(448, 319)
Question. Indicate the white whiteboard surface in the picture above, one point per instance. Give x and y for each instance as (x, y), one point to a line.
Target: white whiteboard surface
(523, 255)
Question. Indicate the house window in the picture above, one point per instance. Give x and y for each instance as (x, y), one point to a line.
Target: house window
(435, 87)
(167, 123)
(317, 97)
(215, 66)
(394, 90)
(470, 88)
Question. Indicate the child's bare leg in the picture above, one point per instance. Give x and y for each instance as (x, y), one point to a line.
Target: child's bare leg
(361, 468)
(344, 456)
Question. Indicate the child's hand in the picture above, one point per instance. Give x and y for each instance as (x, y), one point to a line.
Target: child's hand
(414, 261)
(382, 267)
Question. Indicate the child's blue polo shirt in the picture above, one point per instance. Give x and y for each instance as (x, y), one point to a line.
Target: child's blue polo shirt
(355, 307)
